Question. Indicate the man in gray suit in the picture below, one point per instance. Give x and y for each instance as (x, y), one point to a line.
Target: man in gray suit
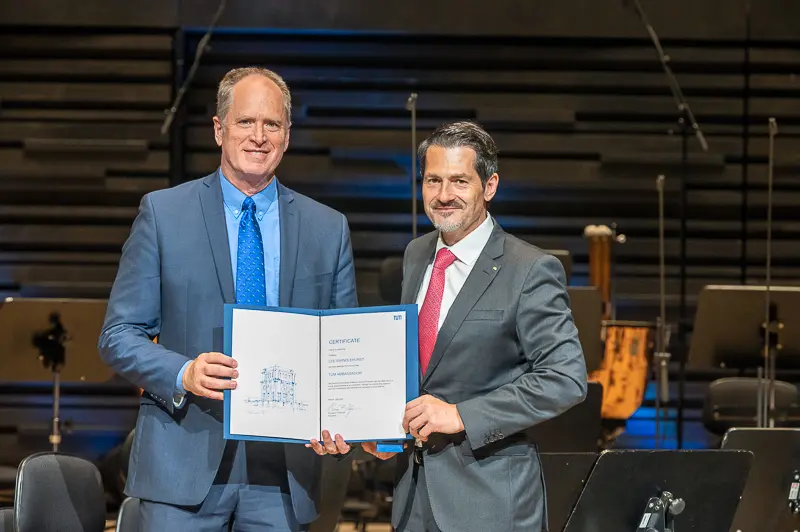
(498, 349)
(237, 235)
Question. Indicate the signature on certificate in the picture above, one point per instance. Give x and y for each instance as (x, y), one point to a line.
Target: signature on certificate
(340, 409)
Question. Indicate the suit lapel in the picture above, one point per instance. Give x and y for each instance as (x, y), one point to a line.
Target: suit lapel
(483, 273)
(417, 268)
(216, 227)
(290, 237)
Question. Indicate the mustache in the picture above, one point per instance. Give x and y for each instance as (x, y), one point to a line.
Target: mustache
(455, 204)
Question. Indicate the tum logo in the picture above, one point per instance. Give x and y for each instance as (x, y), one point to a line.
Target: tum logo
(398, 317)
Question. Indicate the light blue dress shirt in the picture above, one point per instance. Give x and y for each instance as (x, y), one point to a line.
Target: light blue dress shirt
(269, 224)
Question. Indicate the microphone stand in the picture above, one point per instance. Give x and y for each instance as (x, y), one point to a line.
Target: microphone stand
(201, 49)
(661, 357)
(411, 105)
(616, 238)
(52, 354)
(766, 387)
(686, 116)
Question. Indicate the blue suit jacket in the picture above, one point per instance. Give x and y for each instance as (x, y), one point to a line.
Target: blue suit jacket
(174, 278)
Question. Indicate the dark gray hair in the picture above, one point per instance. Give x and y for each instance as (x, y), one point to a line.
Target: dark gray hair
(463, 134)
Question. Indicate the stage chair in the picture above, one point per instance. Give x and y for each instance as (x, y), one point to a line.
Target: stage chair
(59, 492)
(6, 520)
(128, 517)
(733, 401)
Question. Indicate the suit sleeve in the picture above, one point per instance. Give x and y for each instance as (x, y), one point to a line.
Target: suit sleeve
(557, 378)
(344, 282)
(133, 316)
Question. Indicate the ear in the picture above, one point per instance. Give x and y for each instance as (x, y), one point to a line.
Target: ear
(490, 188)
(218, 130)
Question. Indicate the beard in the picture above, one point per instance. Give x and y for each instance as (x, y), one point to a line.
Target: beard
(448, 226)
(448, 223)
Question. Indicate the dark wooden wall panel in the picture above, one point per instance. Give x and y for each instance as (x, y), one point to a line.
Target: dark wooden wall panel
(558, 18)
(686, 19)
(80, 113)
(159, 14)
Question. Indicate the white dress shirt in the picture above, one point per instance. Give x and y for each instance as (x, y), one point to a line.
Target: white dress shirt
(467, 250)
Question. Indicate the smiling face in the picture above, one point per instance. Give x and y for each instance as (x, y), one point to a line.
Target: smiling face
(254, 133)
(454, 197)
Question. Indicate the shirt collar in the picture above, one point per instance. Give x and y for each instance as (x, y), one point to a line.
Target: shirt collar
(233, 197)
(468, 249)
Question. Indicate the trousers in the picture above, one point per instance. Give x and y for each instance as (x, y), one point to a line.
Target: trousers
(250, 493)
(420, 518)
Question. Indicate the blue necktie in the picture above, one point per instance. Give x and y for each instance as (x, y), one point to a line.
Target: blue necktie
(250, 280)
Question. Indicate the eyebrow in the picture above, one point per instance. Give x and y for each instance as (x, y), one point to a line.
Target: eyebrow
(269, 120)
(452, 176)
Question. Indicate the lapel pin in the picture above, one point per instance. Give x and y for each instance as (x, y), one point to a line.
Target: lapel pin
(494, 268)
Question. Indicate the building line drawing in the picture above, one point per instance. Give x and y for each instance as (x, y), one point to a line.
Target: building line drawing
(278, 389)
(278, 386)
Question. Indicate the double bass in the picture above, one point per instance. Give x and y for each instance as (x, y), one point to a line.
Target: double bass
(624, 369)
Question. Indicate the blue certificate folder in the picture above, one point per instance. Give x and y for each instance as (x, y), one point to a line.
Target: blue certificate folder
(279, 396)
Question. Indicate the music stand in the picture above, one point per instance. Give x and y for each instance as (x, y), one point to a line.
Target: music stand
(661, 491)
(771, 497)
(728, 327)
(587, 311)
(54, 339)
(565, 475)
(575, 431)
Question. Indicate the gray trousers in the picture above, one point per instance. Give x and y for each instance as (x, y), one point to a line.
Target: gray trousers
(420, 518)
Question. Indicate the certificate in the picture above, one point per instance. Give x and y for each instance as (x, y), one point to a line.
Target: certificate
(301, 371)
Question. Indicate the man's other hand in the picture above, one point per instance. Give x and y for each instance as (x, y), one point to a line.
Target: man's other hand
(202, 375)
(427, 414)
(328, 445)
(372, 448)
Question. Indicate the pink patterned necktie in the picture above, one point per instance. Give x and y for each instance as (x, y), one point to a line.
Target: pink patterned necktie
(429, 315)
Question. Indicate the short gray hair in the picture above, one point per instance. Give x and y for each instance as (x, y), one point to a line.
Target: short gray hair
(225, 90)
(463, 134)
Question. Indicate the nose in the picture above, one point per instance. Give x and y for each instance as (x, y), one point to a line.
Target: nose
(445, 194)
(258, 135)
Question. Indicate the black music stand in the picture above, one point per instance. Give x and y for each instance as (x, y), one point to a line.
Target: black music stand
(575, 431)
(770, 502)
(54, 339)
(661, 491)
(565, 475)
(587, 311)
(729, 332)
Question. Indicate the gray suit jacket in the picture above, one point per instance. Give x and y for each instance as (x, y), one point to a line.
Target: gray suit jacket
(508, 356)
(174, 278)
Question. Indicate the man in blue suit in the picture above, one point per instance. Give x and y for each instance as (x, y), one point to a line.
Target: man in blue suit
(237, 235)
